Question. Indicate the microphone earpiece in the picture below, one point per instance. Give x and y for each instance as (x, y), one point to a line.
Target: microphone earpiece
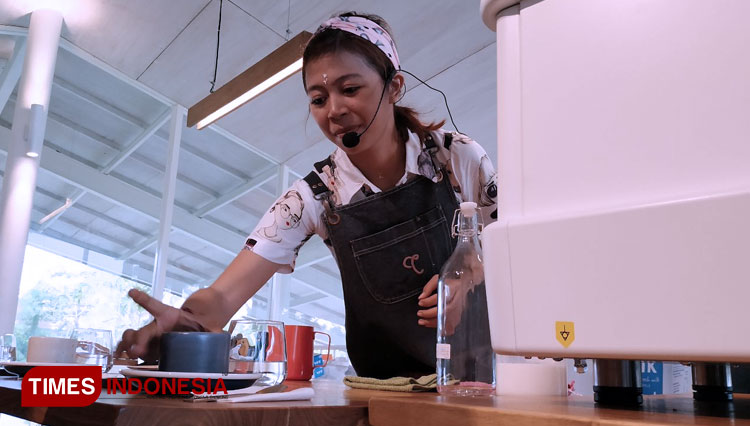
(351, 139)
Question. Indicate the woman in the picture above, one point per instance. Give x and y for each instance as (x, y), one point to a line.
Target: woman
(383, 202)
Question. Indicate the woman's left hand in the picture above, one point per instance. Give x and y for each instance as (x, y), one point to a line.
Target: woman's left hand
(428, 304)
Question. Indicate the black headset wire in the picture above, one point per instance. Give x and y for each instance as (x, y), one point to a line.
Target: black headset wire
(218, 40)
(445, 98)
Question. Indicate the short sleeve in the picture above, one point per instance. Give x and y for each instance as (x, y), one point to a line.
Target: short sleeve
(290, 222)
(473, 175)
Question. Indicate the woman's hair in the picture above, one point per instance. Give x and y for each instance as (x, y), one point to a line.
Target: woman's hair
(331, 40)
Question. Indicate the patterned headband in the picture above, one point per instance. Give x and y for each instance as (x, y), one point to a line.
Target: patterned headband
(368, 30)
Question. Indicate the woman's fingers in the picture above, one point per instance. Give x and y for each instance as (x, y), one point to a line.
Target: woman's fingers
(427, 317)
(430, 287)
(428, 301)
(153, 306)
(142, 341)
(128, 337)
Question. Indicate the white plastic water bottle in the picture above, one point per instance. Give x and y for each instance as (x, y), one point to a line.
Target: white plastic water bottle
(465, 360)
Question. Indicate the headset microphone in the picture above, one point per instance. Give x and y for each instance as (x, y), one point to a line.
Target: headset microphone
(351, 139)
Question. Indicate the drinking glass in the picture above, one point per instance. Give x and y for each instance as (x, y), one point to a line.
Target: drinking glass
(258, 346)
(94, 347)
(8, 348)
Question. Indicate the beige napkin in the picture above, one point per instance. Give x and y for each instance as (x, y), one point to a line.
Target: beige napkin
(394, 384)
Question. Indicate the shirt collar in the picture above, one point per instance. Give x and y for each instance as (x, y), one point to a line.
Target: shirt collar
(350, 173)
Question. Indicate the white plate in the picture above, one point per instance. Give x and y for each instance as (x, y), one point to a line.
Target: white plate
(20, 368)
(129, 372)
(37, 364)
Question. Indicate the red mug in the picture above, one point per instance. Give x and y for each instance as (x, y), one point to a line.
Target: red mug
(299, 351)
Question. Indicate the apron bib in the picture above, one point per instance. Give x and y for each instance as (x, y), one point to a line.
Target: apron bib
(387, 247)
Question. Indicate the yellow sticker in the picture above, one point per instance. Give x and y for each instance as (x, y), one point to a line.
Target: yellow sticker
(565, 332)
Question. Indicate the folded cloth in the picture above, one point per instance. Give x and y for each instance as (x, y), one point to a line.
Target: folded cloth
(394, 384)
(300, 394)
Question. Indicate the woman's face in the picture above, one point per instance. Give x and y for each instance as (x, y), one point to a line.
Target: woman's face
(344, 92)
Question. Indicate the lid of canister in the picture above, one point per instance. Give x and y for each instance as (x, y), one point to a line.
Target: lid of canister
(468, 208)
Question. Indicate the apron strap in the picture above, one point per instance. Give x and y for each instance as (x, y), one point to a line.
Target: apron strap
(431, 148)
(320, 189)
(316, 184)
(321, 192)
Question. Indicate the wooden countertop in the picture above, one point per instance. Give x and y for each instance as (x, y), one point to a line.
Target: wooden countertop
(433, 409)
(335, 404)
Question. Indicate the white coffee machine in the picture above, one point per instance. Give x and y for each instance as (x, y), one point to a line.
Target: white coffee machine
(624, 181)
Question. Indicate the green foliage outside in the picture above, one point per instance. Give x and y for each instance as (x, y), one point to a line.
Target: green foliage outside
(77, 297)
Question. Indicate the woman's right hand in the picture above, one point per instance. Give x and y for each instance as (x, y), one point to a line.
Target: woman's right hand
(208, 309)
(144, 342)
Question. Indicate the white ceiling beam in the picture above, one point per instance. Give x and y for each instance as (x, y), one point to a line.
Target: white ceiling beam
(77, 51)
(193, 253)
(218, 162)
(169, 184)
(137, 142)
(255, 182)
(70, 240)
(143, 245)
(243, 143)
(56, 118)
(320, 281)
(87, 210)
(177, 277)
(97, 102)
(301, 300)
(123, 194)
(313, 260)
(336, 314)
(95, 233)
(140, 247)
(313, 252)
(12, 72)
(144, 265)
(77, 195)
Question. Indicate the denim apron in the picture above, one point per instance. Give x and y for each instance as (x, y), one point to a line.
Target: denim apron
(387, 247)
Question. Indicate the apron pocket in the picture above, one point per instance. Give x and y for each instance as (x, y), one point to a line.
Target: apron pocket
(395, 264)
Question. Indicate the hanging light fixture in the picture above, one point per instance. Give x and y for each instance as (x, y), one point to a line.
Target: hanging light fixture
(266, 73)
(35, 131)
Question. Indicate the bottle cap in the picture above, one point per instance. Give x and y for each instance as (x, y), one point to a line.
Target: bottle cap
(468, 208)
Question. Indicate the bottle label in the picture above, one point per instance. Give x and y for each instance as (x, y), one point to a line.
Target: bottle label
(443, 351)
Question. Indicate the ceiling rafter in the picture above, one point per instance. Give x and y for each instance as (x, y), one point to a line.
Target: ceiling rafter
(137, 141)
(301, 300)
(56, 118)
(71, 88)
(172, 245)
(74, 241)
(97, 102)
(111, 188)
(74, 198)
(320, 281)
(147, 161)
(139, 247)
(238, 191)
(92, 212)
(116, 191)
(12, 71)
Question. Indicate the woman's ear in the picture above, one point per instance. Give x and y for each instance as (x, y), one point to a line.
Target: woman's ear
(396, 87)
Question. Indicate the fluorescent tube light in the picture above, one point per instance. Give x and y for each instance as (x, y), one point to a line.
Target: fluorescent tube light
(266, 73)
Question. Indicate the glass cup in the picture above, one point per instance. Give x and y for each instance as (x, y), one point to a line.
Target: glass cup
(258, 346)
(8, 348)
(94, 347)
